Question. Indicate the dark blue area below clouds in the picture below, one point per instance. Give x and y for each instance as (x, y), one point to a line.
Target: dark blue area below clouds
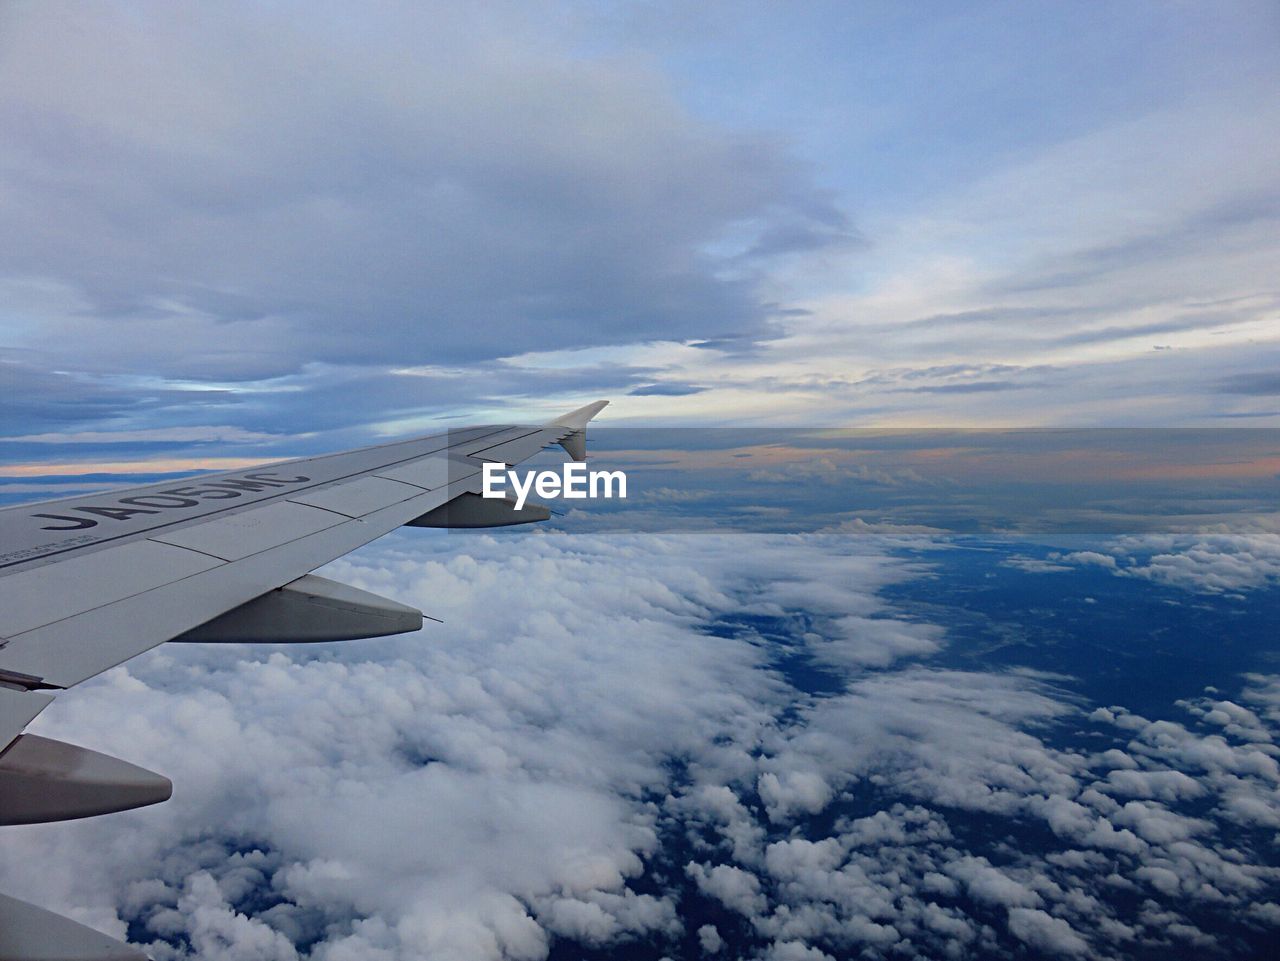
(1115, 640)
(1106, 640)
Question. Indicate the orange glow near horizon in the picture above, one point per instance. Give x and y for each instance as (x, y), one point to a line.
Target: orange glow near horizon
(164, 466)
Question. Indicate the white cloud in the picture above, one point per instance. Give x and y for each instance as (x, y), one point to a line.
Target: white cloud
(709, 939)
(991, 885)
(1213, 562)
(575, 765)
(736, 889)
(1046, 932)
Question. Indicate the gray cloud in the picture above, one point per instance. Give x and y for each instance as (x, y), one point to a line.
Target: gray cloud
(1259, 383)
(1187, 235)
(1043, 931)
(224, 196)
(666, 390)
(39, 400)
(972, 387)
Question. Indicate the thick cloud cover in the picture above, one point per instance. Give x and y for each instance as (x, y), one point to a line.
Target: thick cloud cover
(227, 194)
(609, 740)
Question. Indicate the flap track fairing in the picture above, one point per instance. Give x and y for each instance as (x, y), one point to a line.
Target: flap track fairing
(310, 609)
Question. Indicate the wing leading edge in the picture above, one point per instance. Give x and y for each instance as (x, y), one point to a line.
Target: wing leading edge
(87, 583)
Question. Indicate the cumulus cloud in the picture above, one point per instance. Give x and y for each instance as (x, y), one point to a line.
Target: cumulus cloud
(632, 738)
(709, 939)
(466, 799)
(1041, 930)
(1213, 562)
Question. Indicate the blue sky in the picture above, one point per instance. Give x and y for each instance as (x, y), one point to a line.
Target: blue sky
(282, 228)
(896, 103)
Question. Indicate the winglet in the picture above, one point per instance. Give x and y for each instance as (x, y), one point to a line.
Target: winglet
(577, 419)
(574, 425)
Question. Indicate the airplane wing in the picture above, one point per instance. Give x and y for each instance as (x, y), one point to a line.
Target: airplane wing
(89, 582)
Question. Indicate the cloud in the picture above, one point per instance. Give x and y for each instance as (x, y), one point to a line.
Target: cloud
(44, 399)
(666, 390)
(1263, 383)
(1212, 564)
(1064, 256)
(733, 887)
(1034, 565)
(825, 470)
(427, 790)
(315, 204)
(1043, 931)
(438, 187)
(157, 435)
(972, 387)
(632, 738)
(1209, 563)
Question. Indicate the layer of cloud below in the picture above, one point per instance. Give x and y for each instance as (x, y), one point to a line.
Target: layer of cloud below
(527, 773)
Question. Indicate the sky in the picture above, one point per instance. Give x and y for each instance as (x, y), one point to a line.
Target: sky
(278, 228)
(243, 231)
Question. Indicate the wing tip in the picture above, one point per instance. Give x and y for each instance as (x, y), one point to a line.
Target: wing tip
(577, 419)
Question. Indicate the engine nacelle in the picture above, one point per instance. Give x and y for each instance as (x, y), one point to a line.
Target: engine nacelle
(308, 610)
(46, 780)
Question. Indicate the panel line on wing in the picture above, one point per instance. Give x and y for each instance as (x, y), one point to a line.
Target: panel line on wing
(359, 497)
(103, 541)
(238, 536)
(30, 599)
(132, 625)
